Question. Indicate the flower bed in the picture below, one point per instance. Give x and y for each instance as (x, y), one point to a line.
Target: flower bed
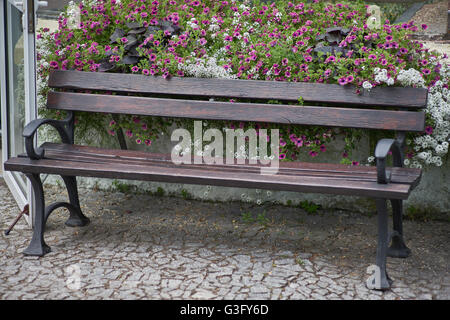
(283, 41)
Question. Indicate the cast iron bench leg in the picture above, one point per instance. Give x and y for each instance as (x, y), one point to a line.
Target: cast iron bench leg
(380, 280)
(76, 218)
(398, 249)
(37, 246)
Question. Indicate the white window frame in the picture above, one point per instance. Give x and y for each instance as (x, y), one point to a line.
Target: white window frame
(14, 183)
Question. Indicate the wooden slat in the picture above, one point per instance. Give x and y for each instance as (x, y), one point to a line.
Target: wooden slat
(250, 89)
(207, 177)
(93, 154)
(286, 114)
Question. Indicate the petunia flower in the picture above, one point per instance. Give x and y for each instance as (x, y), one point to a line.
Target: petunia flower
(343, 81)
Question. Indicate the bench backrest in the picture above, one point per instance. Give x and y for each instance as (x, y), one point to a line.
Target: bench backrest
(383, 108)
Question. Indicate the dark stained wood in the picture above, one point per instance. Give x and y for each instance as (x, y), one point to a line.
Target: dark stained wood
(286, 114)
(179, 174)
(93, 154)
(250, 89)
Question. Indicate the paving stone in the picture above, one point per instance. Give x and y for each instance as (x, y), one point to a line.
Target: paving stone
(203, 295)
(152, 254)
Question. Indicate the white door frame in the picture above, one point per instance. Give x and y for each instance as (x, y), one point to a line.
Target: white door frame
(22, 194)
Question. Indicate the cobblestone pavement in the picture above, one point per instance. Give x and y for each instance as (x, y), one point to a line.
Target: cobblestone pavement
(149, 247)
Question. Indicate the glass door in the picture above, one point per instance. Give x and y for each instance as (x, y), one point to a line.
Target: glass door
(18, 87)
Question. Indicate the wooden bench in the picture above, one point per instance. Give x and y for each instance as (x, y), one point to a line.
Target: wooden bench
(388, 108)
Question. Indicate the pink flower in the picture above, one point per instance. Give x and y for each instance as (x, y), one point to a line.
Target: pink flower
(429, 130)
(330, 59)
(343, 81)
(54, 64)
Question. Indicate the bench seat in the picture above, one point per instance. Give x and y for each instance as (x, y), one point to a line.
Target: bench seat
(75, 160)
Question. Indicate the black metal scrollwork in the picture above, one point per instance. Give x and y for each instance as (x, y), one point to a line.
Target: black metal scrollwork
(381, 151)
(64, 127)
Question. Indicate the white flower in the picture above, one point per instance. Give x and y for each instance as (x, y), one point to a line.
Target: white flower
(411, 77)
(367, 85)
(205, 67)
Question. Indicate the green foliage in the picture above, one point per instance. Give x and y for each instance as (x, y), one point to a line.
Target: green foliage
(309, 206)
(160, 192)
(121, 187)
(262, 219)
(247, 217)
(185, 194)
(419, 214)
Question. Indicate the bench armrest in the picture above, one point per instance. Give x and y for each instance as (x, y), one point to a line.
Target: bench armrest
(382, 150)
(64, 128)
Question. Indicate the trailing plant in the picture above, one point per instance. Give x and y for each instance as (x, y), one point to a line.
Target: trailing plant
(317, 41)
